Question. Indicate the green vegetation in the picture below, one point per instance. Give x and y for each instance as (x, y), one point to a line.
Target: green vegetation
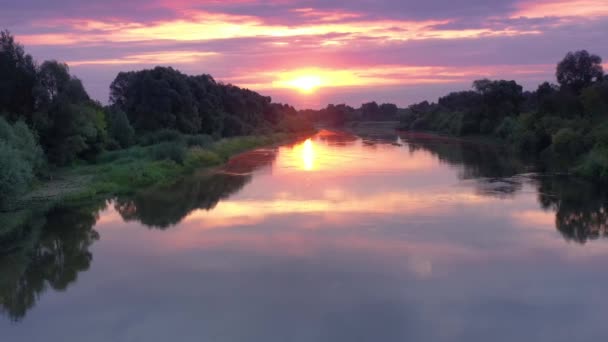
(565, 126)
(338, 115)
(126, 171)
(21, 159)
(160, 123)
(50, 253)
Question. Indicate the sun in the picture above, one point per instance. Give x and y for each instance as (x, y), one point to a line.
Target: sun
(306, 84)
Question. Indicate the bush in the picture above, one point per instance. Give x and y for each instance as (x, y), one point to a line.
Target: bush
(21, 158)
(163, 135)
(420, 124)
(600, 135)
(567, 143)
(15, 174)
(506, 128)
(454, 124)
(200, 140)
(292, 124)
(132, 153)
(526, 142)
(595, 165)
(198, 157)
(234, 126)
(485, 127)
(26, 142)
(174, 151)
(119, 129)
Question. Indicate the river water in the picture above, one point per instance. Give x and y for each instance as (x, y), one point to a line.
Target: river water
(333, 238)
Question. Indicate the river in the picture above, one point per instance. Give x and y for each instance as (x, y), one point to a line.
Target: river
(332, 238)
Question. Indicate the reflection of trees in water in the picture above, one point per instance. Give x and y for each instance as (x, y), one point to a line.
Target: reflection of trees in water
(167, 206)
(492, 170)
(336, 138)
(581, 208)
(59, 251)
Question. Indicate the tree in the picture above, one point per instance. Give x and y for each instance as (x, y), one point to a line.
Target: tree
(58, 252)
(53, 79)
(388, 111)
(499, 99)
(166, 98)
(21, 158)
(595, 100)
(17, 78)
(370, 111)
(119, 128)
(579, 70)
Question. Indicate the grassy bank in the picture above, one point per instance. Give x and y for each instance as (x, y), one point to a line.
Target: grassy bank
(124, 172)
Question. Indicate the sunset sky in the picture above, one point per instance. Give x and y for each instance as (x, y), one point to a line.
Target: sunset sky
(310, 53)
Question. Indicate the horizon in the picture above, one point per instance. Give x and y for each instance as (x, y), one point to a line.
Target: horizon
(311, 53)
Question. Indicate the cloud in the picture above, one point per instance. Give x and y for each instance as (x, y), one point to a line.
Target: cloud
(163, 57)
(562, 8)
(384, 75)
(390, 45)
(203, 26)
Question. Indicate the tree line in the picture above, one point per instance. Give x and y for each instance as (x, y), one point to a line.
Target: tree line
(338, 115)
(564, 124)
(48, 120)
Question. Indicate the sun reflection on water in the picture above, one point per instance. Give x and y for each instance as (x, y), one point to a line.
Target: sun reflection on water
(308, 155)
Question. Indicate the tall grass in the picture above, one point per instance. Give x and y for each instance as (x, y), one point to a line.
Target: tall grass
(125, 171)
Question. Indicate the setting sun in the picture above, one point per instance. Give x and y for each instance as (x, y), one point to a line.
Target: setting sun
(306, 84)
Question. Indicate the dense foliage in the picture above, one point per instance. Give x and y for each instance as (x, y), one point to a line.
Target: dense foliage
(165, 98)
(566, 125)
(337, 115)
(53, 114)
(21, 159)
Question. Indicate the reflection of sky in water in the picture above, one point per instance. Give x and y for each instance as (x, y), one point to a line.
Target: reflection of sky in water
(337, 240)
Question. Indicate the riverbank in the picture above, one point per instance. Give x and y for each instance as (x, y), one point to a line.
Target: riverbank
(591, 166)
(124, 172)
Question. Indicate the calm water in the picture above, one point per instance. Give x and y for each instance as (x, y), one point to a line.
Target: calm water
(336, 238)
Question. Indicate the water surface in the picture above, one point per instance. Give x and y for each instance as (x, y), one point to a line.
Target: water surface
(336, 238)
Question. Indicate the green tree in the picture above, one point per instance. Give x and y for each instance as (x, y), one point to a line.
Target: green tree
(579, 69)
(21, 158)
(595, 100)
(119, 128)
(567, 143)
(17, 78)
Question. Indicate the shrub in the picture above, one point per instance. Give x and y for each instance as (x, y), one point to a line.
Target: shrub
(506, 128)
(595, 165)
(200, 140)
(15, 174)
(600, 135)
(567, 143)
(526, 142)
(234, 126)
(119, 129)
(294, 124)
(420, 124)
(175, 151)
(406, 119)
(21, 158)
(25, 141)
(485, 127)
(198, 157)
(132, 153)
(163, 135)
